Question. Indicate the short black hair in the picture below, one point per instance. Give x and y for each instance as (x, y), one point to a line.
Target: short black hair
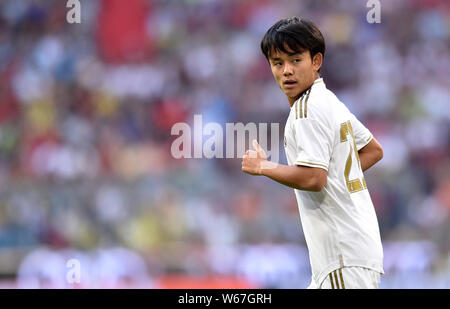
(297, 34)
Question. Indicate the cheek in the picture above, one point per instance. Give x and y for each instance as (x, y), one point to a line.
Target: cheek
(276, 76)
(304, 71)
(274, 73)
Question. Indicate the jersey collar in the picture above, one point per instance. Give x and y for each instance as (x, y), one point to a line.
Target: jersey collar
(318, 82)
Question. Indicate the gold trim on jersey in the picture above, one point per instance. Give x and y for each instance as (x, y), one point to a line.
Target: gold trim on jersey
(336, 279)
(353, 185)
(301, 112)
(354, 142)
(311, 163)
(319, 80)
(301, 106)
(341, 260)
(344, 131)
(342, 278)
(306, 102)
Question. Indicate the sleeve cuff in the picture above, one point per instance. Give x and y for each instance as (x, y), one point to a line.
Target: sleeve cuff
(312, 164)
(367, 141)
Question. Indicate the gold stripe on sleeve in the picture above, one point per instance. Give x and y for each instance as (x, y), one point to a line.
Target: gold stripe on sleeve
(296, 110)
(306, 103)
(331, 280)
(321, 165)
(301, 107)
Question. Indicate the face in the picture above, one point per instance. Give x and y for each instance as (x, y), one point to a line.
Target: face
(294, 72)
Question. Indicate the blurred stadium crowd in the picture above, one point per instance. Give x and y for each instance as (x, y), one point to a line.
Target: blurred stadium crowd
(86, 112)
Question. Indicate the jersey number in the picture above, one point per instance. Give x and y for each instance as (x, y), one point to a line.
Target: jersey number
(358, 184)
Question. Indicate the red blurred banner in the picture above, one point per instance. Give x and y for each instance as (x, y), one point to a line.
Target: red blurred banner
(208, 282)
(122, 30)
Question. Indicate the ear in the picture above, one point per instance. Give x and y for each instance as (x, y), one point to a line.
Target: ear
(317, 61)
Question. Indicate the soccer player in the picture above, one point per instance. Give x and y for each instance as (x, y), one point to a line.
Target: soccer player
(327, 150)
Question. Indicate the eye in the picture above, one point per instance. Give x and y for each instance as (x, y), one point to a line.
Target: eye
(296, 60)
(277, 63)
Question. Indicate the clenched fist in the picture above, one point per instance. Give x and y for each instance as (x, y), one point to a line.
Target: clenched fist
(253, 160)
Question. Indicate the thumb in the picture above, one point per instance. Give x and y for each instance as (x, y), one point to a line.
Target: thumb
(256, 145)
(259, 151)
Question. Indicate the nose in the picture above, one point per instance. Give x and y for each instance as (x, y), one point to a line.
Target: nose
(288, 70)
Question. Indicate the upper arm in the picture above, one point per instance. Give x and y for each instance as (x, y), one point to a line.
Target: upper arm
(314, 139)
(314, 148)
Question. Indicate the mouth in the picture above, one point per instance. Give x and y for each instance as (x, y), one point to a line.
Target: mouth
(289, 83)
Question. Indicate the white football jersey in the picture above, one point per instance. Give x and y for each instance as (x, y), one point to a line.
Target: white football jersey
(339, 222)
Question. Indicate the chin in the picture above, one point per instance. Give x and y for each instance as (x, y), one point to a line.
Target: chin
(292, 94)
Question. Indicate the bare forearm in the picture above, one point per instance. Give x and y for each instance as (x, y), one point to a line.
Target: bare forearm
(297, 177)
(255, 162)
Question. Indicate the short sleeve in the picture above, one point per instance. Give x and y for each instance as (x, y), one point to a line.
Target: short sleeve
(361, 133)
(314, 142)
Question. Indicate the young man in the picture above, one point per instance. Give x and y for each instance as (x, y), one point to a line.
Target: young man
(328, 150)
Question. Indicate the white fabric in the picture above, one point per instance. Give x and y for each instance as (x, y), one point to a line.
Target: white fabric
(339, 222)
(350, 278)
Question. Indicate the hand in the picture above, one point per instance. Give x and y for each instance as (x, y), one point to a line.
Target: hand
(253, 160)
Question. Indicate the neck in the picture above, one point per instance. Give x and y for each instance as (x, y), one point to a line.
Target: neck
(292, 100)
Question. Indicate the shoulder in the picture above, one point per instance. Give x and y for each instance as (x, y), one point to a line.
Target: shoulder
(317, 103)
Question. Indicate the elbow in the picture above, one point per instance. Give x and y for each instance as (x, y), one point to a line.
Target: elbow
(311, 179)
(379, 154)
(318, 182)
(319, 185)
